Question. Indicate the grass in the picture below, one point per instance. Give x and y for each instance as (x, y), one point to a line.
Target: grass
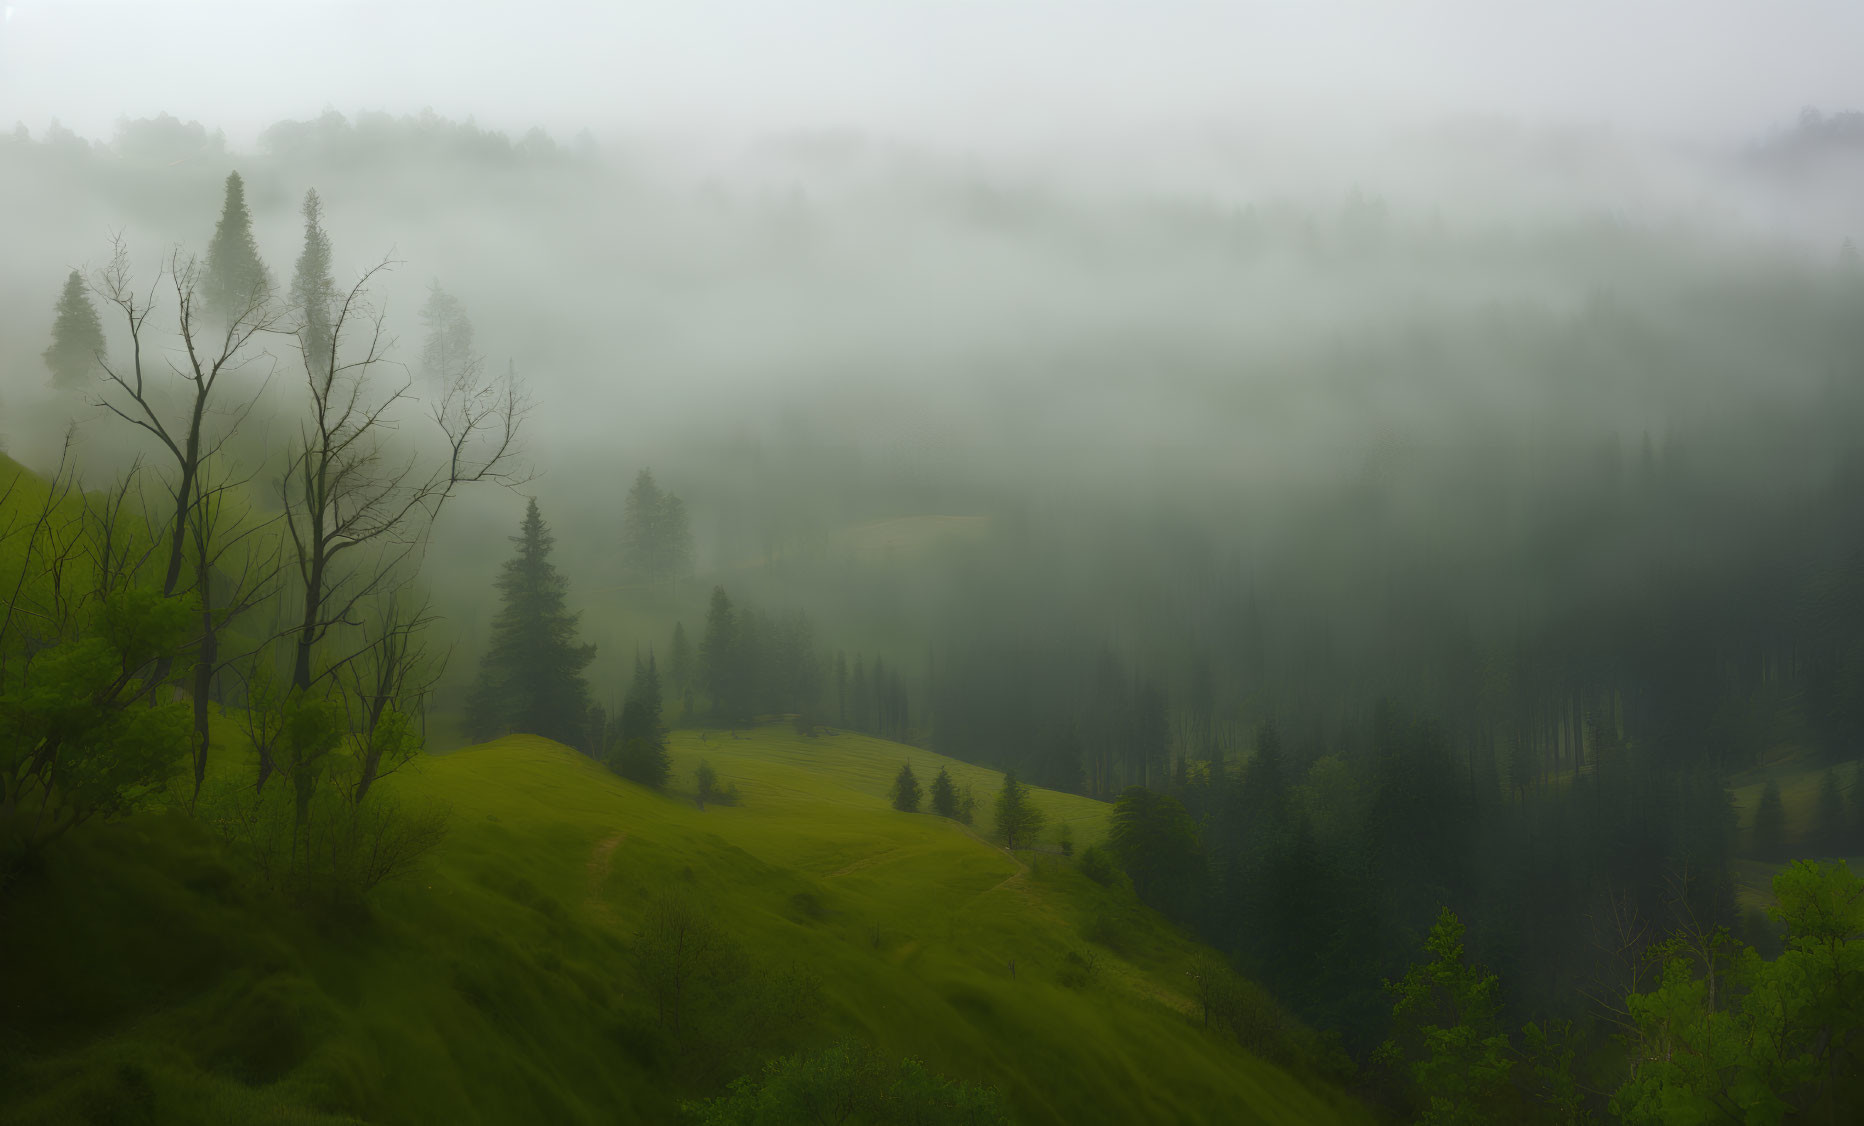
(143, 981)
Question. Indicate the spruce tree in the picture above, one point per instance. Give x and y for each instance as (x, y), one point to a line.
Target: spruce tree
(641, 746)
(906, 790)
(531, 678)
(313, 290)
(1018, 821)
(236, 278)
(720, 657)
(77, 336)
(705, 783)
(944, 795)
(656, 539)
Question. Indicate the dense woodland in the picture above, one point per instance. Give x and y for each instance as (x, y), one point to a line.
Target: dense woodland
(1419, 653)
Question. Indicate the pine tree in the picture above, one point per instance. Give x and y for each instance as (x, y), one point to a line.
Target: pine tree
(77, 336)
(944, 795)
(236, 278)
(641, 746)
(447, 355)
(720, 658)
(906, 789)
(656, 540)
(1770, 823)
(531, 678)
(1017, 820)
(313, 290)
(705, 783)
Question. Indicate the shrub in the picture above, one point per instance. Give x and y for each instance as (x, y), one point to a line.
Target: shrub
(1097, 865)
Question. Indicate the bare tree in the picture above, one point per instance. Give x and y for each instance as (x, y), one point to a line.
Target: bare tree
(188, 410)
(357, 508)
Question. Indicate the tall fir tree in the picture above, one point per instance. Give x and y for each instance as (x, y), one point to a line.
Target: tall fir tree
(944, 794)
(906, 790)
(640, 752)
(656, 538)
(1018, 821)
(77, 336)
(531, 679)
(313, 289)
(720, 658)
(236, 278)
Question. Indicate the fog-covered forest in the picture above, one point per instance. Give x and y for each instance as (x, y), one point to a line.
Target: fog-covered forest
(1385, 592)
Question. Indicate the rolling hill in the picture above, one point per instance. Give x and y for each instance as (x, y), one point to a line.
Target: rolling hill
(144, 982)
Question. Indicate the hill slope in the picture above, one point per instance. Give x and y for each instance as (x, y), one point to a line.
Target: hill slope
(140, 983)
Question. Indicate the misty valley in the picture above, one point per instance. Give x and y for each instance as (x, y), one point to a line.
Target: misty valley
(523, 627)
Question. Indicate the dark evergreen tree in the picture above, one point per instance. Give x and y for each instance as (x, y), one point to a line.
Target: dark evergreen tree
(236, 278)
(313, 289)
(1155, 841)
(1018, 821)
(720, 658)
(944, 795)
(640, 751)
(656, 540)
(531, 678)
(906, 790)
(77, 336)
(705, 783)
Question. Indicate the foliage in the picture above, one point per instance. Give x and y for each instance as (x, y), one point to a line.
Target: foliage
(84, 731)
(855, 1084)
(313, 289)
(1769, 1040)
(944, 794)
(235, 275)
(531, 677)
(1155, 841)
(1447, 1033)
(77, 335)
(1097, 864)
(906, 790)
(705, 783)
(639, 752)
(1018, 820)
(656, 541)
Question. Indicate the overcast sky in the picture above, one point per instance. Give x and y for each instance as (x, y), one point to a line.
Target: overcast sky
(1702, 68)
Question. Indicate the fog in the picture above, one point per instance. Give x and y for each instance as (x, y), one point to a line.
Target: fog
(1446, 402)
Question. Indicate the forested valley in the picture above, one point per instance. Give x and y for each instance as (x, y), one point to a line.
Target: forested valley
(629, 633)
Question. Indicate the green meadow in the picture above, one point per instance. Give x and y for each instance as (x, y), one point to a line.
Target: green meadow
(145, 981)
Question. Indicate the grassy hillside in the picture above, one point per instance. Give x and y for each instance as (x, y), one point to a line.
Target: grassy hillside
(142, 983)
